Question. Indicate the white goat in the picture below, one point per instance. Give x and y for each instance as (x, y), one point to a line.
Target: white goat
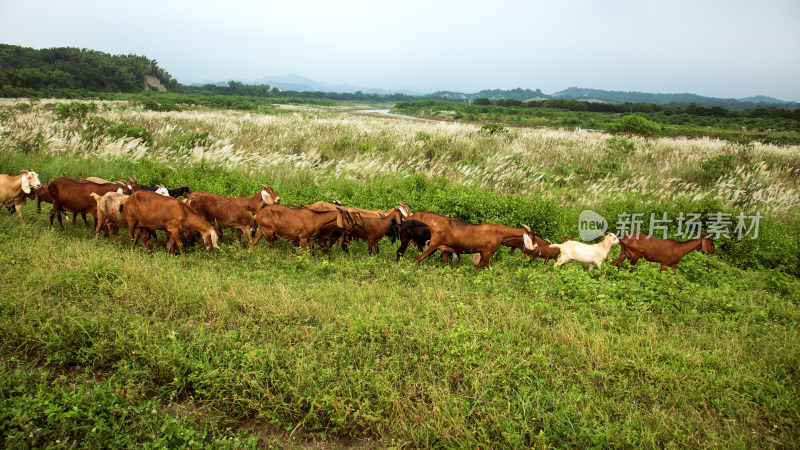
(585, 253)
(12, 188)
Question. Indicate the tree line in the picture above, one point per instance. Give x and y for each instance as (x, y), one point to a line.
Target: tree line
(692, 109)
(24, 70)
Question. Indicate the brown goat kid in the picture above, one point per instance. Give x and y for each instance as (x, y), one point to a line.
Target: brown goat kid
(456, 236)
(668, 252)
(146, 210)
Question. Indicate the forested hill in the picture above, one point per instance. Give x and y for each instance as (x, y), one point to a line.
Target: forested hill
(616, 98)
(23, 68)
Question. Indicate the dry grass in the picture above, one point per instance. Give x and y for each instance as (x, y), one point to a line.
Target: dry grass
(323, 144)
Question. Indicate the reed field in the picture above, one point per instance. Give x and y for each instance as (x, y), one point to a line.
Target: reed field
(106, 346)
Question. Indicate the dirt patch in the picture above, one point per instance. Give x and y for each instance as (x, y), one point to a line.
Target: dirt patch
(151, 82)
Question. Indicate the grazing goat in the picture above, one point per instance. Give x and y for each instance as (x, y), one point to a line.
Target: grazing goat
(14, 189)
(374, 229)
(145, 210)
(300, 224)
(668, 252)
(456, 236)
(585, 253)
(73, 196)
(232, 212)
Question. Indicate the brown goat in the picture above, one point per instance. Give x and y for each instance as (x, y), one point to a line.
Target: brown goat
(43, 195)
(404, 209)
(146, 210)
(296, 223)
(461, 237)
(232, 212)
(374, 229)
(110, 216)
(73, 196)
(421, 234)
(542, 249)
(668, 252)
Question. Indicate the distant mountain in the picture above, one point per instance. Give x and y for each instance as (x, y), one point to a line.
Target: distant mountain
(294, 82)
(617, 97)
(520, 94)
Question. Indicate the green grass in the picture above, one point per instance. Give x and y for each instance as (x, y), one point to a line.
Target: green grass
(106, 346)
(353, 347)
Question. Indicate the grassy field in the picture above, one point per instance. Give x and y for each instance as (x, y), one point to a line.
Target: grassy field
(104, 346)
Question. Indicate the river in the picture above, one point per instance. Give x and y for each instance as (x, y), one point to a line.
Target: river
(385, 112)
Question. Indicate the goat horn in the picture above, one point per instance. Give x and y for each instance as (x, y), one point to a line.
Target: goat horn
(527, 228)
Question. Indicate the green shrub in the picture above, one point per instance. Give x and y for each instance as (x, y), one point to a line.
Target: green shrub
(123, 130)
(162, 106)
(635, 125)
(75, 110)
(191, 140)
(493, 128)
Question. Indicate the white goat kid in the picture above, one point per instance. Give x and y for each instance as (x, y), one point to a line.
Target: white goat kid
(12, 188)
(585, 253)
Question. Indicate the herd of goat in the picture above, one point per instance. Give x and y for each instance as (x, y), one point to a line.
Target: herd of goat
(203, 215)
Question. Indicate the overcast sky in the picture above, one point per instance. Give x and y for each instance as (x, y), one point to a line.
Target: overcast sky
(727, 49)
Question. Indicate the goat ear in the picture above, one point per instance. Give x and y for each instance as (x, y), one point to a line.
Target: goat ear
(339, 219)
(526, 239)
(266, 197)
(26, 186)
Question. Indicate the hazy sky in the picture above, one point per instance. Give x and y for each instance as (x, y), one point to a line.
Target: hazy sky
(728, 49)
